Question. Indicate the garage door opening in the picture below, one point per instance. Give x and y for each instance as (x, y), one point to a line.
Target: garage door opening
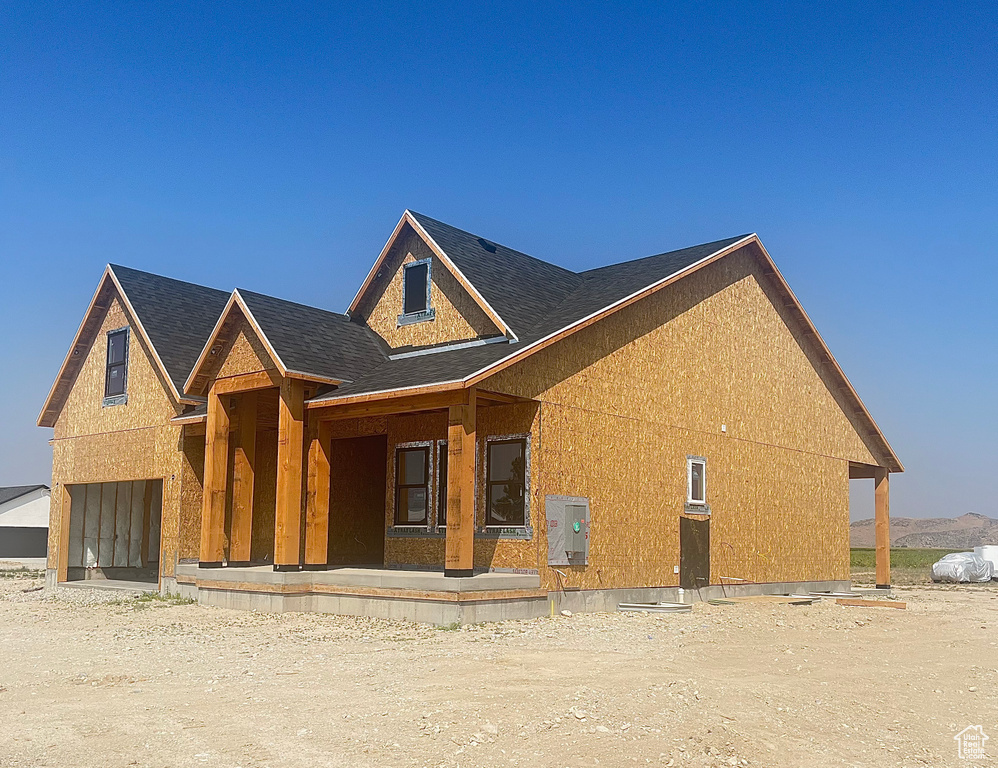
(114, 530)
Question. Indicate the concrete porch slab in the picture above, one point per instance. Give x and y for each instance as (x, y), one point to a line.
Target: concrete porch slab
(131, 587)
(264, 576)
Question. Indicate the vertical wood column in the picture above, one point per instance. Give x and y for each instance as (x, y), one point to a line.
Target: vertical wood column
(62, 565)
(216, 461)
(317, 497)
(243, 474)
(460, 544)
(290, 444)
(882, 523)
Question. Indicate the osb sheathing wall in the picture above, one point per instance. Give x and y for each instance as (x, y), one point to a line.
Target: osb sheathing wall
(624, 402)
(458, 317)
(243, 353)
(428, 550)
(131, 441)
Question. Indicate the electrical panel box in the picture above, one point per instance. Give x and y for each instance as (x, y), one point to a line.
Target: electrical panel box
(568, 529)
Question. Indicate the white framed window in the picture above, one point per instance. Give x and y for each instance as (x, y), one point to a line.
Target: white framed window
(696, 480)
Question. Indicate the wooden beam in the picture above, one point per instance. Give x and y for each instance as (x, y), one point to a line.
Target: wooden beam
(461, 435)
(243, 476)
(62, 567)
(498, 397)
(290, 443)
(247, 382)
(404, 404)
(882, 524)
(216, 465)
(317, 497)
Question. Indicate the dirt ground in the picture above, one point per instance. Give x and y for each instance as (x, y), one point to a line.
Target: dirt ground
(91, 679)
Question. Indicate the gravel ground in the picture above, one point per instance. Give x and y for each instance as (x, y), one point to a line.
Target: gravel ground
(90, 678)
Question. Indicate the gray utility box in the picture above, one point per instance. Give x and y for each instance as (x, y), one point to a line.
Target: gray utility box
(568, 530)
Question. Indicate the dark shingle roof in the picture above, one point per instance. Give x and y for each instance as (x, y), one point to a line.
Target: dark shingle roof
(17, 491)
(519, 287)
(314, 341)
(178, 317)
(534, 297)
(567, 300)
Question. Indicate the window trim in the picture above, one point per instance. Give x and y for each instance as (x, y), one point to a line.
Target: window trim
(119, 399)
(428, 313)
(516, 530)
(690, 461)
(427, 447)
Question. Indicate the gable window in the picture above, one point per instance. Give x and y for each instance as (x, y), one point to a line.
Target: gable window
(696, 480)
(506, 479)
(116, 371)
(442, 484)
(416, 293)
(412, 485)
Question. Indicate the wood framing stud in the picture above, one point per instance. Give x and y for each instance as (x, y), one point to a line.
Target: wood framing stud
(216, 459)
(882, 524)
(290, 443)
(243, 476)
(460, 542)
(317, 499)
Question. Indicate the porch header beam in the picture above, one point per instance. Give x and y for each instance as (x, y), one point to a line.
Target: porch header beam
(247, 382)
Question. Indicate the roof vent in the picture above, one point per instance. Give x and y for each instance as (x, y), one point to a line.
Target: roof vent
(486, 245)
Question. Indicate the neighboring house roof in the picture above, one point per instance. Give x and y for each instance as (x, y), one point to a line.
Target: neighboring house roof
(12, 492)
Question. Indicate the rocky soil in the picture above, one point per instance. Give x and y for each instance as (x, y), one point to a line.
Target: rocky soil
(94, 679)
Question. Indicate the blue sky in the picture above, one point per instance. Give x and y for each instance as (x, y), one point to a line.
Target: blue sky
(273, 147)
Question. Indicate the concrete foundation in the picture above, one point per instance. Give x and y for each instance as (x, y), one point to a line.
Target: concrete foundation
(430, 597)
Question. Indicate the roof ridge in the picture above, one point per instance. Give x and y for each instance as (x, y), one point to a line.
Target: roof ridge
(247, 292)
(116, 267)
(724, 241)
(418, 215)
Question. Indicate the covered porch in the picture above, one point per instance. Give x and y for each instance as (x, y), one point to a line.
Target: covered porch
(324, 496)
(412, 595)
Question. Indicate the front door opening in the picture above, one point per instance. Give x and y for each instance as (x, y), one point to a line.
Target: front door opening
(114, 530)
(357, 476)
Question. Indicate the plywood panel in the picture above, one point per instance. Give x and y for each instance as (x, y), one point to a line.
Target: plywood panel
(244, 352)
(625, 401)
(458, 316)
(95, 444)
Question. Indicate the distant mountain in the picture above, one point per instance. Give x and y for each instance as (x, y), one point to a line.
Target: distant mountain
(964, 532)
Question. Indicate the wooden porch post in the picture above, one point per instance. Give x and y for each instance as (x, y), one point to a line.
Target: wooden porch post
(62, 567)
(216, 460)
(243, 473)
(290, 442)
(460, 543)
(317, 498)
(882, 523)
